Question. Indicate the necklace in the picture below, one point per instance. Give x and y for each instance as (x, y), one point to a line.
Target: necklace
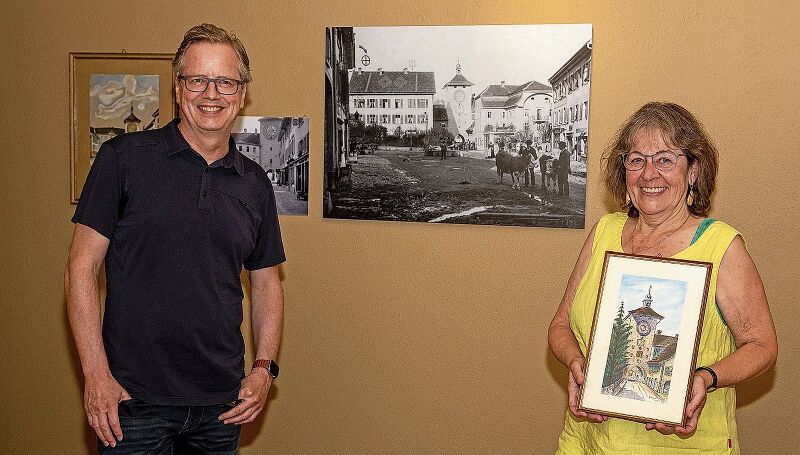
(639, 250)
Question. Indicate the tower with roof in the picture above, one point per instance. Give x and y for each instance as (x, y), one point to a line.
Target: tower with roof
(132, 122)
(650, 353)
(458, 94)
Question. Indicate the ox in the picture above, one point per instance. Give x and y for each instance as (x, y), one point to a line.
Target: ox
(508, 163)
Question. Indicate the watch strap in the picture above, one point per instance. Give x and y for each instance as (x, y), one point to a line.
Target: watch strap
(713, 374)
(269, 365)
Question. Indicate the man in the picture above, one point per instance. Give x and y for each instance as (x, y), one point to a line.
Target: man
(563, 170)
(175, 213)
(526, 148)
(543, 167)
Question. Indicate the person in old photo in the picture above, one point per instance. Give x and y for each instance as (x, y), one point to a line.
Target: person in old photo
(563, 169)
(174, 214)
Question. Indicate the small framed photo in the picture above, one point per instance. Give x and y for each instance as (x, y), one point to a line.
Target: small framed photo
(112, 94)
(644, 340)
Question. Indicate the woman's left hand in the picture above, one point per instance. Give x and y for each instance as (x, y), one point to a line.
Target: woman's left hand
(693, 409)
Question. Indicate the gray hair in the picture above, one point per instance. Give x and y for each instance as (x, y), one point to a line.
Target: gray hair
(210, 33)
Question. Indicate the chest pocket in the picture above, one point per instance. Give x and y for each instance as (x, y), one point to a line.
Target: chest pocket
(237, 213)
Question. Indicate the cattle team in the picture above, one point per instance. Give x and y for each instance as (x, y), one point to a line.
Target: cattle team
(554, 170)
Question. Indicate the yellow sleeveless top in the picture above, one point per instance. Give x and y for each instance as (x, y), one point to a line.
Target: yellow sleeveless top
(716, 429)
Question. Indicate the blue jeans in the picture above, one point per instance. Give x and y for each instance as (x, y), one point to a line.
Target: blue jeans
(155, 430)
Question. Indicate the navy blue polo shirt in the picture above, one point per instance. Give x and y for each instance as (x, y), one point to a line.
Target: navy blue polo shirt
(180, 231)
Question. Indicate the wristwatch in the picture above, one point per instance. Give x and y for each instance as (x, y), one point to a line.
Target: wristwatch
(269, 365)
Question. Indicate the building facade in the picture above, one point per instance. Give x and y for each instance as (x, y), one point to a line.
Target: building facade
(249, 145)
(339, 58)
(504, 112)
(293, 139)
(570, 116)
(400, 101)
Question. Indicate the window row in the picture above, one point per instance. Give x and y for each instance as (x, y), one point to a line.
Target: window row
(397, 119)
(575, 113)
(574, 81)
(389, 103)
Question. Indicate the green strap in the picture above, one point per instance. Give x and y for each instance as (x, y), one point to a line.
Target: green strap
(702, 228)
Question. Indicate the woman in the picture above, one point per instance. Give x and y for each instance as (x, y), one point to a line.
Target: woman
(662, 168)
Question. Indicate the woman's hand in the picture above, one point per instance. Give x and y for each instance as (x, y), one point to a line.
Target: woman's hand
(693, 409)
(576, 378)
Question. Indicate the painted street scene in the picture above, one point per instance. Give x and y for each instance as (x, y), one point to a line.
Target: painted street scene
(121, 103)
(280, 146)
(469, 125)
(641, 352)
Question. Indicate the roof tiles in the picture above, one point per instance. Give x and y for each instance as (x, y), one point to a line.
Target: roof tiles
(393, 82)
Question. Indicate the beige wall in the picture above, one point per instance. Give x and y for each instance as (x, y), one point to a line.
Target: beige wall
(404, 337)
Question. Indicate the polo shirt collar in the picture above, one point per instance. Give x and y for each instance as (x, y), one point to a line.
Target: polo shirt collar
(176, 143)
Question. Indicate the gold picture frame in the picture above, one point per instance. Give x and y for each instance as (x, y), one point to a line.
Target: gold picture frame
(104, 87)
(645, 336)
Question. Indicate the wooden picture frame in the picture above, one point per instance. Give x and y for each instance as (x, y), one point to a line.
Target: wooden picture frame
(111, 94)
(645, 334)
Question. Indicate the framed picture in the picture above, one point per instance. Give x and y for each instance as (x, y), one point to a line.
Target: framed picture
(111, 94)
(644, 338)
(280, 146)
(466, 133)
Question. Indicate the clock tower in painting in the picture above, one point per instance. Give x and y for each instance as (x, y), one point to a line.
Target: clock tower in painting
(458, 102)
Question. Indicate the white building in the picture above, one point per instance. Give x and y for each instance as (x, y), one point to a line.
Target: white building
(401, 101)
(506, 111)
(249, 145)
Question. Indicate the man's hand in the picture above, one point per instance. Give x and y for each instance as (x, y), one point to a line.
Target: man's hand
(693, 409)
(253, 396)
(576, 379)
(101, 399)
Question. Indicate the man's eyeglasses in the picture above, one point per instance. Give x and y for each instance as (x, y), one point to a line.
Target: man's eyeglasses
(664, 160)
(224, 85)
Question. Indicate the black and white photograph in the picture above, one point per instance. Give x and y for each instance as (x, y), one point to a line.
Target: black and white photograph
(280, 146)
(458, 124)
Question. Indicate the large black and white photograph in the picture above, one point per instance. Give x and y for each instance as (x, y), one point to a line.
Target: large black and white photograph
(280, 146)
(458, 124)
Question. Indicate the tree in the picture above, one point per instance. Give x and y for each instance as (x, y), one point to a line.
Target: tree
(438, 136)
(374, 133)
(365, 134)
(617, 358)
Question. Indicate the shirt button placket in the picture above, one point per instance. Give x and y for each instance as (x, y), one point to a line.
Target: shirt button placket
(205, 184)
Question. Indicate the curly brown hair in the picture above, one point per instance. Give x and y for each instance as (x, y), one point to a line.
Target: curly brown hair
(679, 128)
(210, 33)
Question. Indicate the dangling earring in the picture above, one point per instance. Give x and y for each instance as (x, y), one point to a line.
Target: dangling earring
(690, 196)
(627, 199)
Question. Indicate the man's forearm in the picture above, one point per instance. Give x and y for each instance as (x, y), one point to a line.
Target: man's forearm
(83, 310)
(266, 300)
